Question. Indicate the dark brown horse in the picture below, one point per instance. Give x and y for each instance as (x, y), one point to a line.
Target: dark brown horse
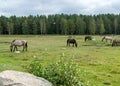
(88, 38)
(71, 41)
(18, 43)
(115, 42)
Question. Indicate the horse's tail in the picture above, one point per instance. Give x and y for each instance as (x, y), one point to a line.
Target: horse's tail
(26, 45)
(75, 43)
(113, 43)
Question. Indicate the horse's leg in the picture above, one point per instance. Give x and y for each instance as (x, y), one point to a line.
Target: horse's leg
(116, 44)
(26, 48)
(73, 44)
(112, 44)
(111, 41)
(23, 48)
(14, 48)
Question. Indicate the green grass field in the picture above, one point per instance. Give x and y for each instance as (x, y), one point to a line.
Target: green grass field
(99, 63)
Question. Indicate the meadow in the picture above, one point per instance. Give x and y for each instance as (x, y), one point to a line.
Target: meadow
(99, 63)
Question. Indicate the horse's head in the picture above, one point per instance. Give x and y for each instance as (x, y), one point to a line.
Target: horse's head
(103, 38)
(86, 37)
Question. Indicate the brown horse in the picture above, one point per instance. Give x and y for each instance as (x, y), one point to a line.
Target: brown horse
(107, 38)
(15, 43)
(88, 38)
(115, 42)
(71, 41)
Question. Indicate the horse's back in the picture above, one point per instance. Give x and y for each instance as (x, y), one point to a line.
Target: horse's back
(71, 40)
(19, 42)
(116, 40)
(88, 36)
(107, 37)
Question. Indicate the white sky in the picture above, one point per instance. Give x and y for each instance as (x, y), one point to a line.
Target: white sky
(45, 7)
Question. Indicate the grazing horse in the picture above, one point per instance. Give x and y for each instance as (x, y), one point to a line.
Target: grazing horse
(18, 43)
(71, 41)
(88, 38)
(107, 38)
(115, 42)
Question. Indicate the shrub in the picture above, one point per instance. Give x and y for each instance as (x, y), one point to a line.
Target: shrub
(62, 73)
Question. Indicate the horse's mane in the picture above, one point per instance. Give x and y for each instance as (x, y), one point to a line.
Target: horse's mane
(14, 40)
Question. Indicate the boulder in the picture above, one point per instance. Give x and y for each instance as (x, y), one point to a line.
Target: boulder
(15, 78)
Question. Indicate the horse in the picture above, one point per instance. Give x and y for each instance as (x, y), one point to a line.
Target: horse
(107, 38)
(88, 38)
(71, 41)
(115, 42)
(18, 43)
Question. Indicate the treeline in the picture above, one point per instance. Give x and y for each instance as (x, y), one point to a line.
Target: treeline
(63, 24)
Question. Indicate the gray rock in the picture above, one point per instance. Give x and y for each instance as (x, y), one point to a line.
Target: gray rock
(15, 78)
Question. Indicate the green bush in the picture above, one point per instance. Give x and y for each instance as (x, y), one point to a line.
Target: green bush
(62, 73)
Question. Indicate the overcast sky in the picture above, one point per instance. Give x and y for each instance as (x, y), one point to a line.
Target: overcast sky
(45, 7)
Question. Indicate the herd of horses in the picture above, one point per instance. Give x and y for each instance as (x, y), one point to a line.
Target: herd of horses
(17, 43)
(114, 42)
